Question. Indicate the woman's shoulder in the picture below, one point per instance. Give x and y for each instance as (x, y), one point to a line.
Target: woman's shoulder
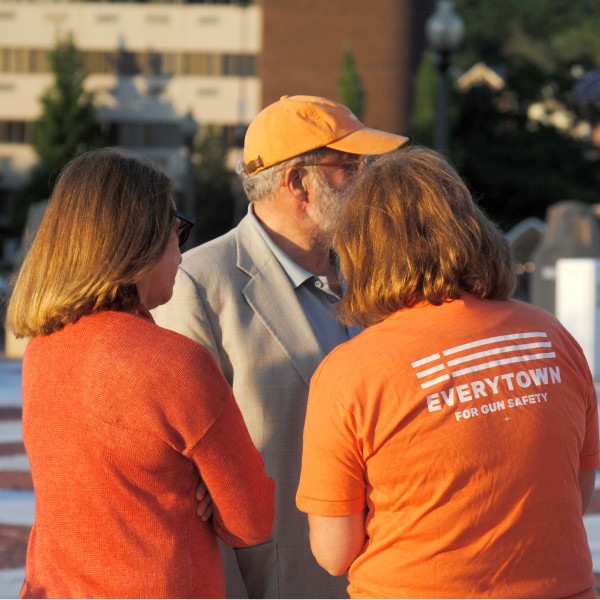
(126, 337)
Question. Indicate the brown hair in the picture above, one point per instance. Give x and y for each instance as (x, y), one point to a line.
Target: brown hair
(409, 231)
(107, 223)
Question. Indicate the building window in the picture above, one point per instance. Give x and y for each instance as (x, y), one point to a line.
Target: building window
(56, 18)
(151, 63)
(19, 60)
(5, 61)
(209, 20)
(235, 2)
(16, 132)
(125, 62)
(107, 18)
(207, 91)
(158, 19)
(39, 62)
(239, 64)
(202, 64)
(100, 62)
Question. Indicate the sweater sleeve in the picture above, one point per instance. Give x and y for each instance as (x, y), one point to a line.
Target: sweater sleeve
(203, 422)
(233, 470)
(332, 479)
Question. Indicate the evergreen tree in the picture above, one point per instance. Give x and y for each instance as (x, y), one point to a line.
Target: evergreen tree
(422, 120)
(352, 93)
(67, 127)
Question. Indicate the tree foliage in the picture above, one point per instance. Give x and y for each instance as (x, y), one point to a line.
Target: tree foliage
(516, 173)
(548, 33)
(67, 127)
(541, 47)
(423, 115)
(352, 93)
(215, 200)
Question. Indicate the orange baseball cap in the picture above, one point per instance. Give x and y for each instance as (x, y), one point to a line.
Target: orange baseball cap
(297, 124)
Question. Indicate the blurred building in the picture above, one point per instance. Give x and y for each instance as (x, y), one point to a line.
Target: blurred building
(157, 68)
(480, 74)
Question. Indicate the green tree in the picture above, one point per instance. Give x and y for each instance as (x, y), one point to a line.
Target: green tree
(422, 120)
(541, 47)
(352, 93)
(548, 33)
(67, 127)
(516, 173)
(215, 205)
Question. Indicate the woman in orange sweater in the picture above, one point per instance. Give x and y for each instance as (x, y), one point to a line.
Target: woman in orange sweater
(121, 418)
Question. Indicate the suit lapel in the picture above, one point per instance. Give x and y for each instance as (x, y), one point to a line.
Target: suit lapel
(274, 301)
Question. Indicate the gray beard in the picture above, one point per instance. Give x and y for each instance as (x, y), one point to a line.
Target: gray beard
(324, 211)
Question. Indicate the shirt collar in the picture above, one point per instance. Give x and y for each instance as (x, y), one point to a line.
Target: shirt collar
(295, 272)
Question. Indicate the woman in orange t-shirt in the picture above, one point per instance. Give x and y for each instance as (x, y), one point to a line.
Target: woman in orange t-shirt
(121, 418)
(449, 449)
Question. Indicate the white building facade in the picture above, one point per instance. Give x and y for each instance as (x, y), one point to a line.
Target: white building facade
(155, 69)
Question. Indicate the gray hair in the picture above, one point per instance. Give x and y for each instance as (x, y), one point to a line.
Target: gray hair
(264, 184)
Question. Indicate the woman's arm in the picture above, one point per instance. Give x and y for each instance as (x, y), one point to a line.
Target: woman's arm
(337, 541)
(232, 469)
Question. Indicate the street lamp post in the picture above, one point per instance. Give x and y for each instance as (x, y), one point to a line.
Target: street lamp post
(444, 30)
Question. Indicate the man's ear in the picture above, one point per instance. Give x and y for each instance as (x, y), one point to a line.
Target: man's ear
(293, 181)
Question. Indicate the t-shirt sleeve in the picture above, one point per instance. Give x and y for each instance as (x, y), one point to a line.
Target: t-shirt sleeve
(332, 480)
(589, 457)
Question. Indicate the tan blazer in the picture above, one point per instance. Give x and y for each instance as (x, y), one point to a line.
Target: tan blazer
(232, 296)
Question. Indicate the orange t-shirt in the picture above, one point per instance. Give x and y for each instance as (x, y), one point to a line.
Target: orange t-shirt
(461, 428)
(119, 416)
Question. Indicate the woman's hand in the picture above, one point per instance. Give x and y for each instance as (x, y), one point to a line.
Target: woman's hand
(204, 508)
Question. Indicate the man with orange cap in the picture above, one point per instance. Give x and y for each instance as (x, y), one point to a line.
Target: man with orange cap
(260, 298)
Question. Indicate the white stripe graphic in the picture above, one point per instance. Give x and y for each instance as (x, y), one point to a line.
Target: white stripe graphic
(503, 350)
(425, 360)
(427, 384)
(503, 361)
(439, 365)
(435, 369)
(492, 340)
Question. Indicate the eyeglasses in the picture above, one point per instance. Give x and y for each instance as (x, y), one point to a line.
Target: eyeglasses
(184, 226)
(350, 166)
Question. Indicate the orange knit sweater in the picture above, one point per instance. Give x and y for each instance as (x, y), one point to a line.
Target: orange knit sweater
(119, 416)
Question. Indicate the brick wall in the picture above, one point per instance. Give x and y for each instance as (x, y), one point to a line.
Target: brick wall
(304, 40)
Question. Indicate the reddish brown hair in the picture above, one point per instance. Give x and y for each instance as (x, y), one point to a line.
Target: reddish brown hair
(410, 231)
